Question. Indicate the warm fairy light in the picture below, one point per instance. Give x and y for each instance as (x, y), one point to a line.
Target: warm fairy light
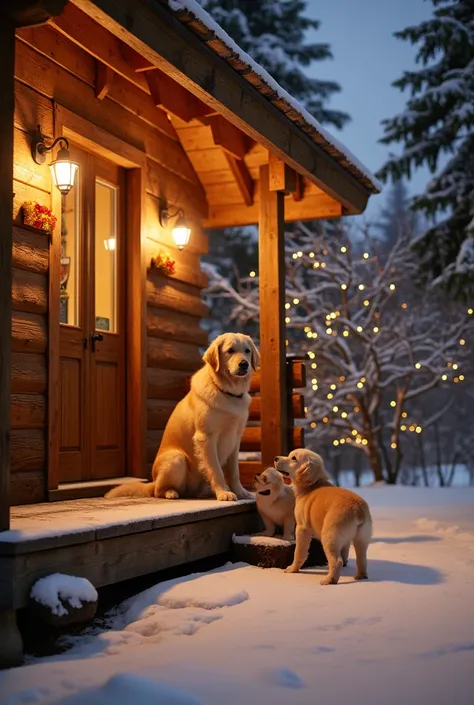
(315, 265)
(344, 415)
(343, 249)
(404, 414)
(393, 403)
(311, 254)
(461, 378)
(361, 287)
(336, 442)
(306, 329)
(335, 409)
(364, 441)
(345, 333)
(359, 329)
(342, 441)
(314, 381)
(342, 378)
(456, 380)
(296, 301)
(462, 342)
(359, 385)
(418, 366)
(358, 440)
(343, 287)
(367, 302)
(287, 319)
(455, 366)
(403, 428)
(329, 331)
(299, 254)
(252, 274)
(325, 252)
(323, 265)
(313, 425)
(287, 342)
(309, 334)
(333, 387)
(325, 419)
(295, 256)
(470, 311)
(365, 255)
(376, 329)
(394, 445)
(287, 306)
(363, 380)
(354, 432)
(356, 409)
(392, 287)
(311, 355)
(330, 396)
(404, 305)
(418, 429)
(313, 365)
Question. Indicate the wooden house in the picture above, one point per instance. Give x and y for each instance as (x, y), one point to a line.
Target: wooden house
(167, 120)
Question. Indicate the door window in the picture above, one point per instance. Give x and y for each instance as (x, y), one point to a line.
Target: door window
(106, 256)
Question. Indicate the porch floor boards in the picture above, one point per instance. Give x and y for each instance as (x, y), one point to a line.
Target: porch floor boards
(111, 540)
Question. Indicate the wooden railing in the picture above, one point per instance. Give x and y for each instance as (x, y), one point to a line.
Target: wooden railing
(251, 440)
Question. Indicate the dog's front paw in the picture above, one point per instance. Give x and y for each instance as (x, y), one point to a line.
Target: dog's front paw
(361, 576)
(328, 580)
(292, 569)
(226, 496)
(244, 494)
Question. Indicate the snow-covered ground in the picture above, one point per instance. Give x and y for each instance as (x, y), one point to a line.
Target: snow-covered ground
(246, 635)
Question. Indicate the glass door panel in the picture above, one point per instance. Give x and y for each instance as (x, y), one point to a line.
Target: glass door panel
(70, 257)
(106, 204)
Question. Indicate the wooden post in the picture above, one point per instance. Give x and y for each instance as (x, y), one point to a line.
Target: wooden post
(7, 105)
(273, 382)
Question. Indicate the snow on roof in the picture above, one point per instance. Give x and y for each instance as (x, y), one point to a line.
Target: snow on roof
(190, 11)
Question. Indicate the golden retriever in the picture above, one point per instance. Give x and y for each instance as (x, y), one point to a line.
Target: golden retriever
(334, 515)
(199, 452)
(275, 503)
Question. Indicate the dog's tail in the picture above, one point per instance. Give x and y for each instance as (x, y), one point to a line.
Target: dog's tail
(133, 489)
(365, 526)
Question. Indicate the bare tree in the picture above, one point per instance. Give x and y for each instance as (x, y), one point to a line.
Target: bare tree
(377, 344)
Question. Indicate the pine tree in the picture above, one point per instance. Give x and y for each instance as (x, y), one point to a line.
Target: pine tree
(273, 33)
(396, 218)
(439, 119)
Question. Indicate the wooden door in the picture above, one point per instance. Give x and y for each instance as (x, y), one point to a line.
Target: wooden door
(92, 329)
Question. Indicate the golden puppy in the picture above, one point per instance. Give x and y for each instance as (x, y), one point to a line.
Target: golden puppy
(199, 452)
(334, 515)
(275, 503)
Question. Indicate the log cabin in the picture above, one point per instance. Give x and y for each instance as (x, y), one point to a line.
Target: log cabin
(126, 125)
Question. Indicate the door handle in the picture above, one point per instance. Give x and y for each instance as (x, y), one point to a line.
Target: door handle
(96, 338)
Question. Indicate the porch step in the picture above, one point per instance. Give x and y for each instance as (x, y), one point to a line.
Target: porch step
(91, 488)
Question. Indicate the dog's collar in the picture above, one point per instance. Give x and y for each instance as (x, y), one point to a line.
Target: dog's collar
(228, 394)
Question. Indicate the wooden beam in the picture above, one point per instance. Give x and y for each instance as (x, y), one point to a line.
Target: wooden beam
(103, 80)
(242, 178)
(137, 62)
(314, 207)
(229, 137)
(298, 193)
(29, 13)
(170, 45)
(282, 177)
(273, 381)
(7, 109)
(173, 98)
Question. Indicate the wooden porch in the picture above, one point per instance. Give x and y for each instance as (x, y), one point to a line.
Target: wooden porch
(108, 541)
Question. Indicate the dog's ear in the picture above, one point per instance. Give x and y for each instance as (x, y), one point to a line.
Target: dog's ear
(211, 356)
(255, 355)
(304, 474)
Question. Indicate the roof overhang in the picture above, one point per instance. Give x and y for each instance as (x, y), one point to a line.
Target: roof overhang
(153, 31)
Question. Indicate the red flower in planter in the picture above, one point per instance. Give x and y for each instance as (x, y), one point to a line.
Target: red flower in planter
(164, 264)
(37, 216)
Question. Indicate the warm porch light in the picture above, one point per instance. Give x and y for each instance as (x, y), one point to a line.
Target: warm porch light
(63, 169)
(110, 244)
(181, 230)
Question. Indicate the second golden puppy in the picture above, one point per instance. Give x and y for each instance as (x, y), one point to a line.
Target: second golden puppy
(334, 515)
(275, 503)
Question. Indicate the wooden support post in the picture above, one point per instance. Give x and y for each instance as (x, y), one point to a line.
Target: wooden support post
(7, 106)
(273, 383)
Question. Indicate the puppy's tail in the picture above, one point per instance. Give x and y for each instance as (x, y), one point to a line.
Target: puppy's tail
(364, 529)
(133, 489)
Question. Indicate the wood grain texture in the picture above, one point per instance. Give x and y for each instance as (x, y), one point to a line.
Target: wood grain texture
(27, 487)
(28, 450)
(166, 384)
(253, 436)
(158, 413)
(7, 109)
(153, 440)
(161, 292)
(28, 411)
(29, 291)
(172, 355)
(28, 373)
(296, 407)
(30, 250)
(29, 332)
(296, 376)
(172, 325)
(273, 381)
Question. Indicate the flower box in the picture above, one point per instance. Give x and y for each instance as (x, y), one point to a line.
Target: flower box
(39, 217)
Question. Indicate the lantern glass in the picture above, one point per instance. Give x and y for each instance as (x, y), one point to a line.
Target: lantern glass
(63, 173)
(110, 244)
(181, 233)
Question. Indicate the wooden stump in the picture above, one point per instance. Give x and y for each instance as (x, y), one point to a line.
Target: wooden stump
(71, 614)
(273, 552)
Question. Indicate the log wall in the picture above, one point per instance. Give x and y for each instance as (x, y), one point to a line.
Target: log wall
(49, 69)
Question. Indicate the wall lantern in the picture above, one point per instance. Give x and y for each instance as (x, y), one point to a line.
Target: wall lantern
(63, 169)
(181, 230)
